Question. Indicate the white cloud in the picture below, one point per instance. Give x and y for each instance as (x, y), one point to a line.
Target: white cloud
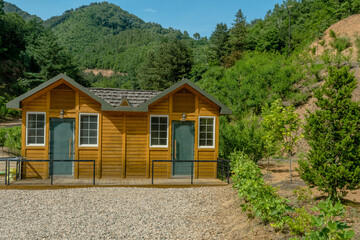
(150, 10)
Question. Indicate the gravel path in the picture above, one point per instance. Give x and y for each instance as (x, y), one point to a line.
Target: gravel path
(113, 213)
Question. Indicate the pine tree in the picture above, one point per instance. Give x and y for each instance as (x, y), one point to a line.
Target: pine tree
(333, 133)
(169, 63)
(238, 32)
(219, 43)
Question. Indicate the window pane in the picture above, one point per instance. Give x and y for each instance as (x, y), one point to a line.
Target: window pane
(210, 128)
(154, 120)
(40, 117)
(209, 142)
(84, 118)
(154, 142)
(40, 140)
(83, 140)
(32, 117)
(154, 127)
(93, 133)
(202, 120)
(31, 132)
(163, 141)
(206, 133)
(202, 135)
(31, 140)
(163, 134)
(163, 120)
(202, 142)
(163, 127)
(31, 124)
(210, 121)
(154, 134)
(84, 133)
(84, 125)
(93, 126)
(93, 119)
(40, 132)
(92, 141)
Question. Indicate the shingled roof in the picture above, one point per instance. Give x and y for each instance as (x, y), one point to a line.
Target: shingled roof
(115, 96)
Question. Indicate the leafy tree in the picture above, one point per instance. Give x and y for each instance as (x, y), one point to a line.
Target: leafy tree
(272, 134)
(333, 133)
(197, 36)
(171, 62)
(283, 125)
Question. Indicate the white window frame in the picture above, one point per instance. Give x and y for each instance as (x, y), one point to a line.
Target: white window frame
(214, 133)
(167, 132)
(97, 127)
(27, 124)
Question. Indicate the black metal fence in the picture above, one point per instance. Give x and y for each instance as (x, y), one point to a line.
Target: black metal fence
(162, 168)
(44, 169)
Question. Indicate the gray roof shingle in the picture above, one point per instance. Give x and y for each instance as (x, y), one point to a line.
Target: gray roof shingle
(114, 96)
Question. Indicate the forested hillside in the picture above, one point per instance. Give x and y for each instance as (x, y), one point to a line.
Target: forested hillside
(245, 65)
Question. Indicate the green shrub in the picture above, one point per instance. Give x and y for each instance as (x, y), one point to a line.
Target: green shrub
(258, 198)
(13, 140)
(326, 225)
(245, 134)
(303, 194)
(2, 137)
(300, 224)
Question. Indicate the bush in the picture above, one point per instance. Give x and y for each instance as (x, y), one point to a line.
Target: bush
(259, 199)
(2, 137)
(300, 224)
(326, 227)
(244, 135)
(13, 140)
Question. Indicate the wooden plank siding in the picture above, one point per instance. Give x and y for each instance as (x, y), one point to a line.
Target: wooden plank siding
(123, 150)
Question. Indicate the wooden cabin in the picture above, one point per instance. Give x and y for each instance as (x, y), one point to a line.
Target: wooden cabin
(122, 130)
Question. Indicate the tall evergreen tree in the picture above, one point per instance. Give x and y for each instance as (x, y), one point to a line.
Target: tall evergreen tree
(238, 32)
(333, 133)
(171, 62)
(219, 43)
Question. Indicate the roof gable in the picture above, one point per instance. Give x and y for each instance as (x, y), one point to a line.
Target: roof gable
(112, 99)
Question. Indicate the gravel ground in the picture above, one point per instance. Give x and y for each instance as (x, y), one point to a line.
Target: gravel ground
(113, 213)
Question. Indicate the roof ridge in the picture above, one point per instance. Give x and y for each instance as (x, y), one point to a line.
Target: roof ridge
(138, 90)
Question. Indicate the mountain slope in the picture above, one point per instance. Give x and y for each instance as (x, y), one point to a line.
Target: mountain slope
(102, 35)
(9, 8)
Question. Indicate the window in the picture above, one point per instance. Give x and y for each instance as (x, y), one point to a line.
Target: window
(88, 129)
(35, 129)
(159, 131)
(207, 132)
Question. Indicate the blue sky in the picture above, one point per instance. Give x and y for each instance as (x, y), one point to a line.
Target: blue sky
(191, 15)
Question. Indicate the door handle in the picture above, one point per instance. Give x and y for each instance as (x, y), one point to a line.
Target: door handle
(69, 147)
(175, 150)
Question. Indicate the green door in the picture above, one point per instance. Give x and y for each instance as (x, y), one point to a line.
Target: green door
(183, 147)
(62, 144)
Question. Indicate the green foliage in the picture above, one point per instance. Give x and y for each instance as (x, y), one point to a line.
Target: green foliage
(244, 135)
(333, 133)
(171, 62)
(301, 223)
(256, 79)
(283, 124)
(357, 44)
(2, 137)
(258, 198)
(309, 19)
(8, 7)
(303, 194)
(327, 226)
(219, 44)
(12, 138)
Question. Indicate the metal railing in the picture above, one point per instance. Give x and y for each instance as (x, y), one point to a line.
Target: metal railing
(222, 171)
(20, 162)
